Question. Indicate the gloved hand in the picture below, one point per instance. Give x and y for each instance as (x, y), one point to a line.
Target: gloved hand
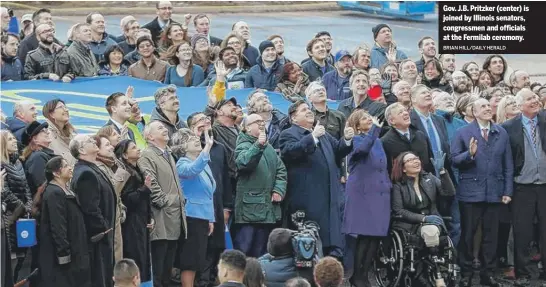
(434, 219)
(438, 161)
(386, 83)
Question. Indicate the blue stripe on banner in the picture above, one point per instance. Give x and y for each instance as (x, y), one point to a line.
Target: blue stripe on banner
(86, 97)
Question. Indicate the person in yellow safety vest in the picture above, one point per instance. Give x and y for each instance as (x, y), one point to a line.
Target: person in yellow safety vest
(136, 124)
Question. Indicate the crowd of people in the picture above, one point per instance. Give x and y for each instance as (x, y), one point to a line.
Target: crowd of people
(148, 197)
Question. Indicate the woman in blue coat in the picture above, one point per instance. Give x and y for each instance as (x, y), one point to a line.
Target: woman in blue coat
(367, 195)
(198, 185)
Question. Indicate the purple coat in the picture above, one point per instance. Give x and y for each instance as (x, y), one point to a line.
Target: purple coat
(368, 188)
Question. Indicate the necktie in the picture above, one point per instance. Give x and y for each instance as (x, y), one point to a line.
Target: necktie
(485, 134)
(432, 136)
(407, 136)
(166, 156)
(533, 133)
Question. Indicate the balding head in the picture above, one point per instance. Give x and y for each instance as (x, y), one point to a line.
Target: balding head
(242, 28)
(253, 125)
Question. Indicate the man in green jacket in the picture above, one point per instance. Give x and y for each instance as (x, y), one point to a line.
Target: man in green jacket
(261, 186)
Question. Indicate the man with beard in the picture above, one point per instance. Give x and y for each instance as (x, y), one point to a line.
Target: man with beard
(527, 133)
(250, 52)
(97, 200)
(359, 83)
(12, 69)
(317, 66)
(40, 63)
(130, 36)
(166, 109)
(31, 42)
(332, 120)
(275, 121)
(385, 49)
(427, 49)
(167, 201)
(164, 11)
(336, 82)
(119, 109)
(448, 63)
(519, 79)
(199, 123)
(202, 25)
(496, 65)
(307, 149)
(267, 72)
(461, 84)
(481, 151)
(227, 70)
(101, 41)
(403, 137)
(408, 72)
(77, 60)
(278, 41)
(402, 91)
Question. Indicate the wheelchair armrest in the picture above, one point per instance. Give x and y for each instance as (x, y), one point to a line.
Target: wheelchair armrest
(396, 217)
(447, 218)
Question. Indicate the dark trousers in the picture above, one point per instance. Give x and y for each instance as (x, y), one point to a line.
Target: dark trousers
(251, 239)
(207, 277)
(163, 253)
(528, 200)
(472, 213)
(366, 249)
(7, 278)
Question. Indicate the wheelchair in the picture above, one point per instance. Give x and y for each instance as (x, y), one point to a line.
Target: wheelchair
(405, 259)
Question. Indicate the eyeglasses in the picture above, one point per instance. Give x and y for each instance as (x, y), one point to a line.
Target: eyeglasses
(63, 107)
(259, 122)
(203, 119)
(234, 43)
(202, 41)
(145, 46)
(185, 50)
(413, 159)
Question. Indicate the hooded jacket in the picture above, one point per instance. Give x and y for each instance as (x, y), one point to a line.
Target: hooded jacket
(261, 78)
(158, 115)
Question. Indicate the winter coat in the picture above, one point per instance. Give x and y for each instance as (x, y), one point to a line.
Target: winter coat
(314, 179)
(252, 54)
(337, 88)
(59, 143)
(156, 72)
(261, 78)
(199, 185)
(279, 122)
(64, 259)
(490, 174)
(12, 208)
(314, 71)
(158, 115)
(35, 171)
(28, 44)
(41, 62)
(167, 196)
(286, 88)
(394, 144)
(278, 270)
(155, 28)
(376, 109)
(135, 196)
(235, 79)
(378, 56)
(438, 83)
(332, 120)
(105, 70)
(98, 48)
(405, 203)
(367, 192)
(12, 69)
(261, 173)
(76, 61)
(97, 200)
(16, 180)
(126, 47)
(16, 127)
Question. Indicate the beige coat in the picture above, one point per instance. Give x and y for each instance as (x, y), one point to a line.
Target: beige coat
(59, 144)
(167, 198)
(118, 179)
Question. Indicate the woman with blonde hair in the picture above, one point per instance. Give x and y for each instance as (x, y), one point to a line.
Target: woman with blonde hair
(61, 130)
(236, 42)
(507, 109)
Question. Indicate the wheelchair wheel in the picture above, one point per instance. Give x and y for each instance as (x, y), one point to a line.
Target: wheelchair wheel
(389, 261)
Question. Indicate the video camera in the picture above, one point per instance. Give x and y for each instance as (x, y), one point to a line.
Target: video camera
(306, 241)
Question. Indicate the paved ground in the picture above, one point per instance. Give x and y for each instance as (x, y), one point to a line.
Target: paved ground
(348, 29)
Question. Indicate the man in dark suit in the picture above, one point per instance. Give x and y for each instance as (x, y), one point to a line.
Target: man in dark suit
(401, 137)
(202, 25)
(119, 109)
(97, 199)
(527, 133)
(481, 151)
(311, 156)
(164, 11)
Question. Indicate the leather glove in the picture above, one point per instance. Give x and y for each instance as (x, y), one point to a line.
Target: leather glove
(438, 161)
(434, 219)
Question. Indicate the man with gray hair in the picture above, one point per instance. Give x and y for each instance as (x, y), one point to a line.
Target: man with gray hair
(359, 84)
(402, 91)
(6, 18)
(166, 109)
(77, 60)
(275, 121)
(97, 200)
(519, 79)
(167, 201)
(126, 273)
(332, 120)
(24, 113)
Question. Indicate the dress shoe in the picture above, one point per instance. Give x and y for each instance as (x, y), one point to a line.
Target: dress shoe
(489, 281)
(522, 282)
(510, 274)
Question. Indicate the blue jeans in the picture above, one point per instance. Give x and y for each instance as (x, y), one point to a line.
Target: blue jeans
(251, 239)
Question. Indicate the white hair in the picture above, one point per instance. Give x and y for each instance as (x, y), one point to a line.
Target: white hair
(520, 96)
(20, 107)
(398, 85)
(313, 85)
(76, 144)
(389, 109)
(3, 10)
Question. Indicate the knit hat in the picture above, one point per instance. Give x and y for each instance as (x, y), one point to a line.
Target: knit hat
(31, 131)
(265, 44)
(378, 28)
(196, 37)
